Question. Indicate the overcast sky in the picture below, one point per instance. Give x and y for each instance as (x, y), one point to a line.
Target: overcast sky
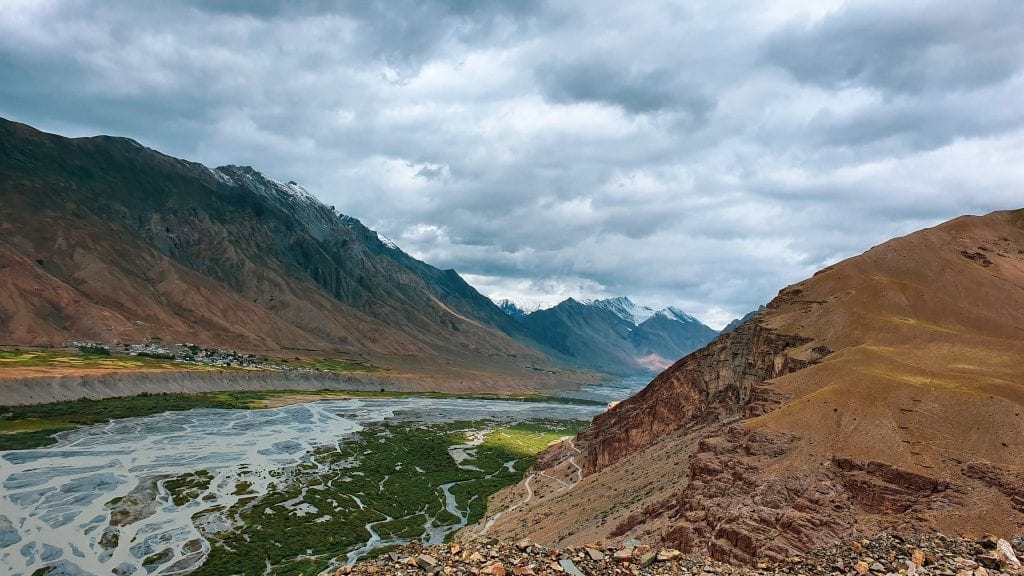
(702, 154)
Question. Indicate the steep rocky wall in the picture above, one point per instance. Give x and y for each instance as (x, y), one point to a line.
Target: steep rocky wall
(716, 382)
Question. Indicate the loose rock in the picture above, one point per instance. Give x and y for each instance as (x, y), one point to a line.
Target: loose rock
(1006, 556)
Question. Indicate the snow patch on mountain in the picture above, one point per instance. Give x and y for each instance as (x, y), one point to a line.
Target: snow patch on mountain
(258, 182)
(673, 313)
(387, 241)
(624, 308)
(517, 308)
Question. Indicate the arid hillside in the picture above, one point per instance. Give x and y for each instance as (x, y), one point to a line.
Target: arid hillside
(104, 240)
(887, 391)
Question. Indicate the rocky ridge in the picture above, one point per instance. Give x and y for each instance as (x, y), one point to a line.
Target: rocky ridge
(883, 555)
(884, 392)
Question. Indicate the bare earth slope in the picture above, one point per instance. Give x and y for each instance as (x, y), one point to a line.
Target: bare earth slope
(102, 239)
(886, 391)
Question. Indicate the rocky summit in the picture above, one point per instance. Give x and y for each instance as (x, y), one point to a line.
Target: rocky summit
(884, 555)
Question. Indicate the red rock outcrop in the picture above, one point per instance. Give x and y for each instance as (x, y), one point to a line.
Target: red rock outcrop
(715, 383)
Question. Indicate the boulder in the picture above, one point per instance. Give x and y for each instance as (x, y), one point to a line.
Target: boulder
(647, 559)
(427, 562)
(667, 554)
(917, 557)
(1005, 555)
(569, 568)
(495, 569)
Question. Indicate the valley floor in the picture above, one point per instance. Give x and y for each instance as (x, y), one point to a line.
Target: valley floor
(293, 489)
(36, 425)
(45, 376)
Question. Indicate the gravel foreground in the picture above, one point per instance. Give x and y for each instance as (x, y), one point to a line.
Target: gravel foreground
(879, 556)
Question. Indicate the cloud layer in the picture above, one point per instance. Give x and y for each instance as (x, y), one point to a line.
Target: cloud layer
(701, 154)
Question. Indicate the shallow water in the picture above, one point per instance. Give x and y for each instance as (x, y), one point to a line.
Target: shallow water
(53, 508)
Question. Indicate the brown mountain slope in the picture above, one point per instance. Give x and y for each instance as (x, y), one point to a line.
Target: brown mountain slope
(885, 391)
(105, 240)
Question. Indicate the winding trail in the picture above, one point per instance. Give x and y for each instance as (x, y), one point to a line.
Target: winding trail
(529, 496)
(572, 460)
(564, 486)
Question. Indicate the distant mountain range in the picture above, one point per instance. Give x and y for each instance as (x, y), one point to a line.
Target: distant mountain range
(614, 335)
(737, 322)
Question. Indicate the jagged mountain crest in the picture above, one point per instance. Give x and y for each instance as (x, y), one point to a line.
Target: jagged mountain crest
(514, 308)
(624, 308)
(673, 313)
(737, 322)
(615, 334)
(318, 217)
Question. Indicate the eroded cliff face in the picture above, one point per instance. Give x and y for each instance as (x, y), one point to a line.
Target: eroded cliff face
(715, 383)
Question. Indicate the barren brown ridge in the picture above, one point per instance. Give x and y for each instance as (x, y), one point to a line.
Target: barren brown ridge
(885, 392)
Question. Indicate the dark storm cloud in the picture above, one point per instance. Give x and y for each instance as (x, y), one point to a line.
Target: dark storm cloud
(702, 155)
(905, 47)
(636, 91)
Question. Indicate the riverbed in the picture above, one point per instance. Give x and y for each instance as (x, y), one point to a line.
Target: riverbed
(56, 512)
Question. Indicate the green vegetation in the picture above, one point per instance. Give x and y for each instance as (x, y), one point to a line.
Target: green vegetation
(385, 471)
(89, 357)
(521, 441)
(187, 487)
(158, 558)
(95, 356)
(336, 365)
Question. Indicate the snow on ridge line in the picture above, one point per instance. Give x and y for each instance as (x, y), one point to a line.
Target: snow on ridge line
(526, 306)
(624, 308)
(259, 182)
(387, 241)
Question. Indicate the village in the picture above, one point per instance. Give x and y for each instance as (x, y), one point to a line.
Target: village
(193, 354)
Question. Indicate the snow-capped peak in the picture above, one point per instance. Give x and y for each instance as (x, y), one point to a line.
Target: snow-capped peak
(673, 313)
(624, 308)
(517, 308)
